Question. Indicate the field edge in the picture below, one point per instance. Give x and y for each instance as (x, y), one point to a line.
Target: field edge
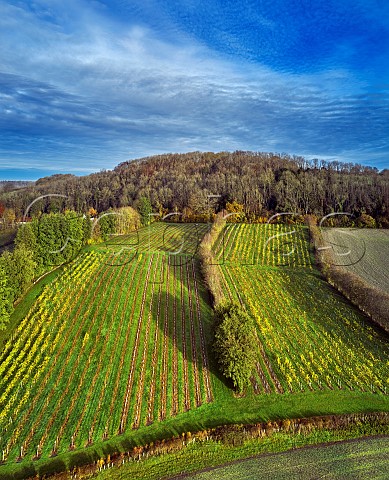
(295, 406)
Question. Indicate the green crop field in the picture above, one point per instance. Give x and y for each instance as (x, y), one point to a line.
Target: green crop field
(119, 342)
(366, 458)
(364, 252)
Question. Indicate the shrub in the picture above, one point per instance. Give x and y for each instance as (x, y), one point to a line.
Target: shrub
(365, 221)
(209, 268)
(234, 343)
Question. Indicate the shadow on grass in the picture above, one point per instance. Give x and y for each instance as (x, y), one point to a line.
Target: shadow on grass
(174, 278)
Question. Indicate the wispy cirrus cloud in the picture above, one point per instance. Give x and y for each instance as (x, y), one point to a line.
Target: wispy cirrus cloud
(83, 87)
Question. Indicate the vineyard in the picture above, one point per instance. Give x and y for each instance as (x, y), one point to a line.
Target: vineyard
(120, 341)
(106, 348)
(172, 238)
(263, 245)
(308, 338)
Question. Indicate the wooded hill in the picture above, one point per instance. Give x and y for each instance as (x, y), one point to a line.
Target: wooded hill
(263, 183)
(11, 185)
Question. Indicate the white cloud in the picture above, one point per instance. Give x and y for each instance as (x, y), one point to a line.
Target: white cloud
(94, 87)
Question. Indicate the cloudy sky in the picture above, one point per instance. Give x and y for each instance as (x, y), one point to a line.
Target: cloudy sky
(85, 85)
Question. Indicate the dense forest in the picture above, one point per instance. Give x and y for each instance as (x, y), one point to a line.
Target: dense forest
(263, 183)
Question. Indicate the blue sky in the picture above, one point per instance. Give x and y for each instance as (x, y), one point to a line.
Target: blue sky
(85, 85)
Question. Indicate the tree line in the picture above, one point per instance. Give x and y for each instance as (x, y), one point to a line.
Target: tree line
(50, 240)
(201, 184)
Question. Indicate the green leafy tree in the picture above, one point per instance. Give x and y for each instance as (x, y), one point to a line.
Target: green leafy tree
(51, 237)
(5, 298)
(20, 269)
(27, 237)
(73, 234)
(87, 228)
(234, 343)
(144, 209)
(59, 237)
(107, 224)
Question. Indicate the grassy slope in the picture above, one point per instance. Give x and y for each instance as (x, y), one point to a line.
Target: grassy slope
(365, 457)
(338, 459)
(23, 306)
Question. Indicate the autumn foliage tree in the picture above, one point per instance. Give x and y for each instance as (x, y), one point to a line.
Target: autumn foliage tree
(9, 217)
(264, 183)
(235, 212)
